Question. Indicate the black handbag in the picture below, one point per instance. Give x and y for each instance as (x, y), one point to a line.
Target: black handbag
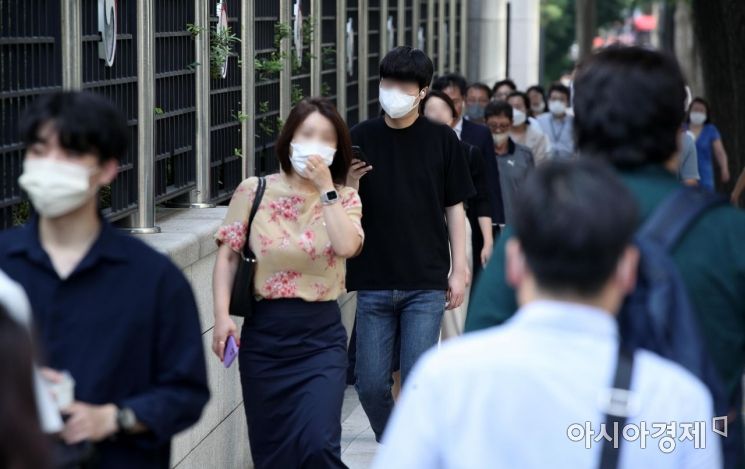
(242, 295)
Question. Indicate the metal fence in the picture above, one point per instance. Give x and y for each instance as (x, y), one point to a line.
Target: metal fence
(195, 131)
(30, 58)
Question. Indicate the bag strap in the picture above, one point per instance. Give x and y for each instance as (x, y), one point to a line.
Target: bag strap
(675, 214)
(254, 208)
(617, 408)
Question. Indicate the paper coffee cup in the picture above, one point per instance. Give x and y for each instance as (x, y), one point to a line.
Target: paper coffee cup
(64, 391)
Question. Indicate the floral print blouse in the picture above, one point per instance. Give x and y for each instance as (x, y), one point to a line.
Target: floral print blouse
(289, 238)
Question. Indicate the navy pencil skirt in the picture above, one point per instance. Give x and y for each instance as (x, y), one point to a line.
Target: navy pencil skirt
(293, 364)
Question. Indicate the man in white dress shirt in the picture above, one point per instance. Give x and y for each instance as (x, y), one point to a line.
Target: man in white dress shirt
(529, 394)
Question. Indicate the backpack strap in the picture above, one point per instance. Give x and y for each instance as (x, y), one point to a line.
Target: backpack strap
(677, 212)
(617, 408)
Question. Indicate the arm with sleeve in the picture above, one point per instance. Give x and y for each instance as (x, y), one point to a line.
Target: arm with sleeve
(179, 392)
(493, 300)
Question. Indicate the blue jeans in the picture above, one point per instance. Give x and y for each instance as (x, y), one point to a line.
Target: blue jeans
(381, 314)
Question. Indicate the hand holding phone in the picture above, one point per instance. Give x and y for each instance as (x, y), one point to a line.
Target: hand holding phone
(358, 154)
(231, 352)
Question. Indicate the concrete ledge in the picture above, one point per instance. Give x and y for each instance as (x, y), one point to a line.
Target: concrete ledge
(186, 234)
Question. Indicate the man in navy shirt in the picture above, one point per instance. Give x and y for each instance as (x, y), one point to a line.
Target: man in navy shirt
(115, 314)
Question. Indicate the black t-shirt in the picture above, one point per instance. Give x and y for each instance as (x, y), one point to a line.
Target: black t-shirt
(417, 172)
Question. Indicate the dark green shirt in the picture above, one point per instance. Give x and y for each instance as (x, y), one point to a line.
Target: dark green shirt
(711, 259)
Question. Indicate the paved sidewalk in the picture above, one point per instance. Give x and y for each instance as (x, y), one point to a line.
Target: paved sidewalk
(358, 444)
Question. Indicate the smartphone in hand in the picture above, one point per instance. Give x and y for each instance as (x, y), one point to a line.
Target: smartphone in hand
(357, 153)
(231, 352)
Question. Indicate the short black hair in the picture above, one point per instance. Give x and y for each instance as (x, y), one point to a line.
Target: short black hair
(86, 123)
(448, 80)
(538, 89)
(482, 86)
(523, 96)
(498, 108)
(526, 102)
(558, 87)
(437, 94)
(405, 63)
(627, 106)
(574, 221)
(501, 83)
(703, 102)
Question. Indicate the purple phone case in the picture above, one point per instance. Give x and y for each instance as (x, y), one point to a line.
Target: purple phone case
(231, 351)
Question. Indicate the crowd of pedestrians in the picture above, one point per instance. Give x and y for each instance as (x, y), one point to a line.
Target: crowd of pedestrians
(517, 219)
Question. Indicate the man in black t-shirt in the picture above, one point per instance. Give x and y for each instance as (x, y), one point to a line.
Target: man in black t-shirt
(413, 218)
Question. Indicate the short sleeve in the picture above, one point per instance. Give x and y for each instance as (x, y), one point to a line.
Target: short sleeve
(714, 132)
(458, 183)
(352, 204)
(233, 229)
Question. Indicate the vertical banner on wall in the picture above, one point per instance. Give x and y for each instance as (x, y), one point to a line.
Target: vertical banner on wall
(391, 33)
(222, 28)
(107, 18)
(350, 47)
(297, 29)
(420, 43)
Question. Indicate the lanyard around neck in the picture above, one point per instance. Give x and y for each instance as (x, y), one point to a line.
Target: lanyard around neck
(561, 129)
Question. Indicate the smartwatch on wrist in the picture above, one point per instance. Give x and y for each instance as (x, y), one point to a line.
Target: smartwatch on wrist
(330, 197)
(126, 420)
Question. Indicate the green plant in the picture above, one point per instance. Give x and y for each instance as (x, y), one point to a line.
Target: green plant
(325, 89)
(221, 47)
(194, 30)
(237, 152)
(158, 111)
(21, 213)
(296, 94)
(328, 56)
(263, 107)
(267, 67)
(281, 31)
(104, 197)
(240, 116)
(193, 66)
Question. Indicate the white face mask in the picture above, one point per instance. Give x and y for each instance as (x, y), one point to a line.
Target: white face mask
(301, 151)
(518, 118)
(557, 107)
(539, 108)
(396, 103)
(698, 118)
(55, 187)
(500, 137)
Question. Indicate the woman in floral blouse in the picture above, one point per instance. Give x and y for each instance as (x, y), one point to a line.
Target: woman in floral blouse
(293, 349)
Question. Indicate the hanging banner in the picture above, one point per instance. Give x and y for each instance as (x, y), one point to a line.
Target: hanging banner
(107, 18)
(420, 38)
(350, 47)
(297, 30)
(222, 27)
(391, 33)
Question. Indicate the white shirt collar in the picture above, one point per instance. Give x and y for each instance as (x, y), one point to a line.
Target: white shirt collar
(458, 128)
(566, 316)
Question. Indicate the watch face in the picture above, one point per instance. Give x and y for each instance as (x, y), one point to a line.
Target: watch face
(332, 195)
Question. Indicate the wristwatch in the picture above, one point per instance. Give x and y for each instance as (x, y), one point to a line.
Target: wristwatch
(330, 197)
(126, 420)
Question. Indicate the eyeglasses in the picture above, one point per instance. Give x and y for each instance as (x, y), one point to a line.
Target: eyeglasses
(500, 128)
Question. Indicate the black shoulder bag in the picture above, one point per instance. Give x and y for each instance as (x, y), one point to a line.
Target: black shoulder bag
(618, 407)
(242, 295)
